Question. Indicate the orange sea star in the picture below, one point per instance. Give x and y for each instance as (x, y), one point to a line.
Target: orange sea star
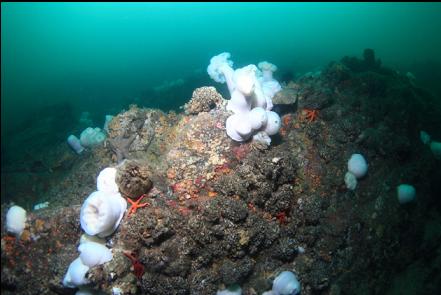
(136, 204)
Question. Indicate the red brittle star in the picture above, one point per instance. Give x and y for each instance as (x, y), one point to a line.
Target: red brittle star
(138, 268)
(136, 204)
(281, 217)
(310, 114)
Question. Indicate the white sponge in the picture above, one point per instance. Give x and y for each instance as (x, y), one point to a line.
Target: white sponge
(75, 144)
(91, 137)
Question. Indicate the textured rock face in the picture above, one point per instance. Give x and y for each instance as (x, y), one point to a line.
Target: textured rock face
(222, 213)
(287, 96)
(203, 100)
(133, 131)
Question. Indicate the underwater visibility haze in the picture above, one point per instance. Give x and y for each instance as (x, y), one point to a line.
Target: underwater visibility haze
(221, 148)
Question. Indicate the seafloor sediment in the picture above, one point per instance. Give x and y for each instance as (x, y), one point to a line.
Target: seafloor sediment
(225, 213)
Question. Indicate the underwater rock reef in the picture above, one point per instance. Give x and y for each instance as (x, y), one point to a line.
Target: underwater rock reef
(221, 213)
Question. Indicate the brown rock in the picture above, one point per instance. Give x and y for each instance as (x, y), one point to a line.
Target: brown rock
(133, 179)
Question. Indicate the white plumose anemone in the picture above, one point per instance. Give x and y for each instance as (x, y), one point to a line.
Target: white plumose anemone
(286, 283)
(106, 180)
(262, 137)
(76, 274)
(238, 127)
(435, 147)
(406, 193)
(245, 79)
(273, 124)
(250, 89)
(93, 254)
(220, 69)
(350, 181)
(101, 213)
(357, 165)
(270, 89)
(267, 70)
(258, 118)
(16, 220)
(238, 103)
(259, 98)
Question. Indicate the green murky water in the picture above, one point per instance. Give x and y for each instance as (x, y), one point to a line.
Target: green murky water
(102, 57)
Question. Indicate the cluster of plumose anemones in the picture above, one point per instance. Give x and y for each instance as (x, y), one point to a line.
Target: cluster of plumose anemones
(252, 89)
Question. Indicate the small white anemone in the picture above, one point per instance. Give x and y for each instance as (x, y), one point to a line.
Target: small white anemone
(425, 137)
(435, 147)
(106, 180)
(93, 254)
(232, 290)
(286, 283)
(350, 181)
(406, 193)
(357, 165)
(76, 274)
(16, 220)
